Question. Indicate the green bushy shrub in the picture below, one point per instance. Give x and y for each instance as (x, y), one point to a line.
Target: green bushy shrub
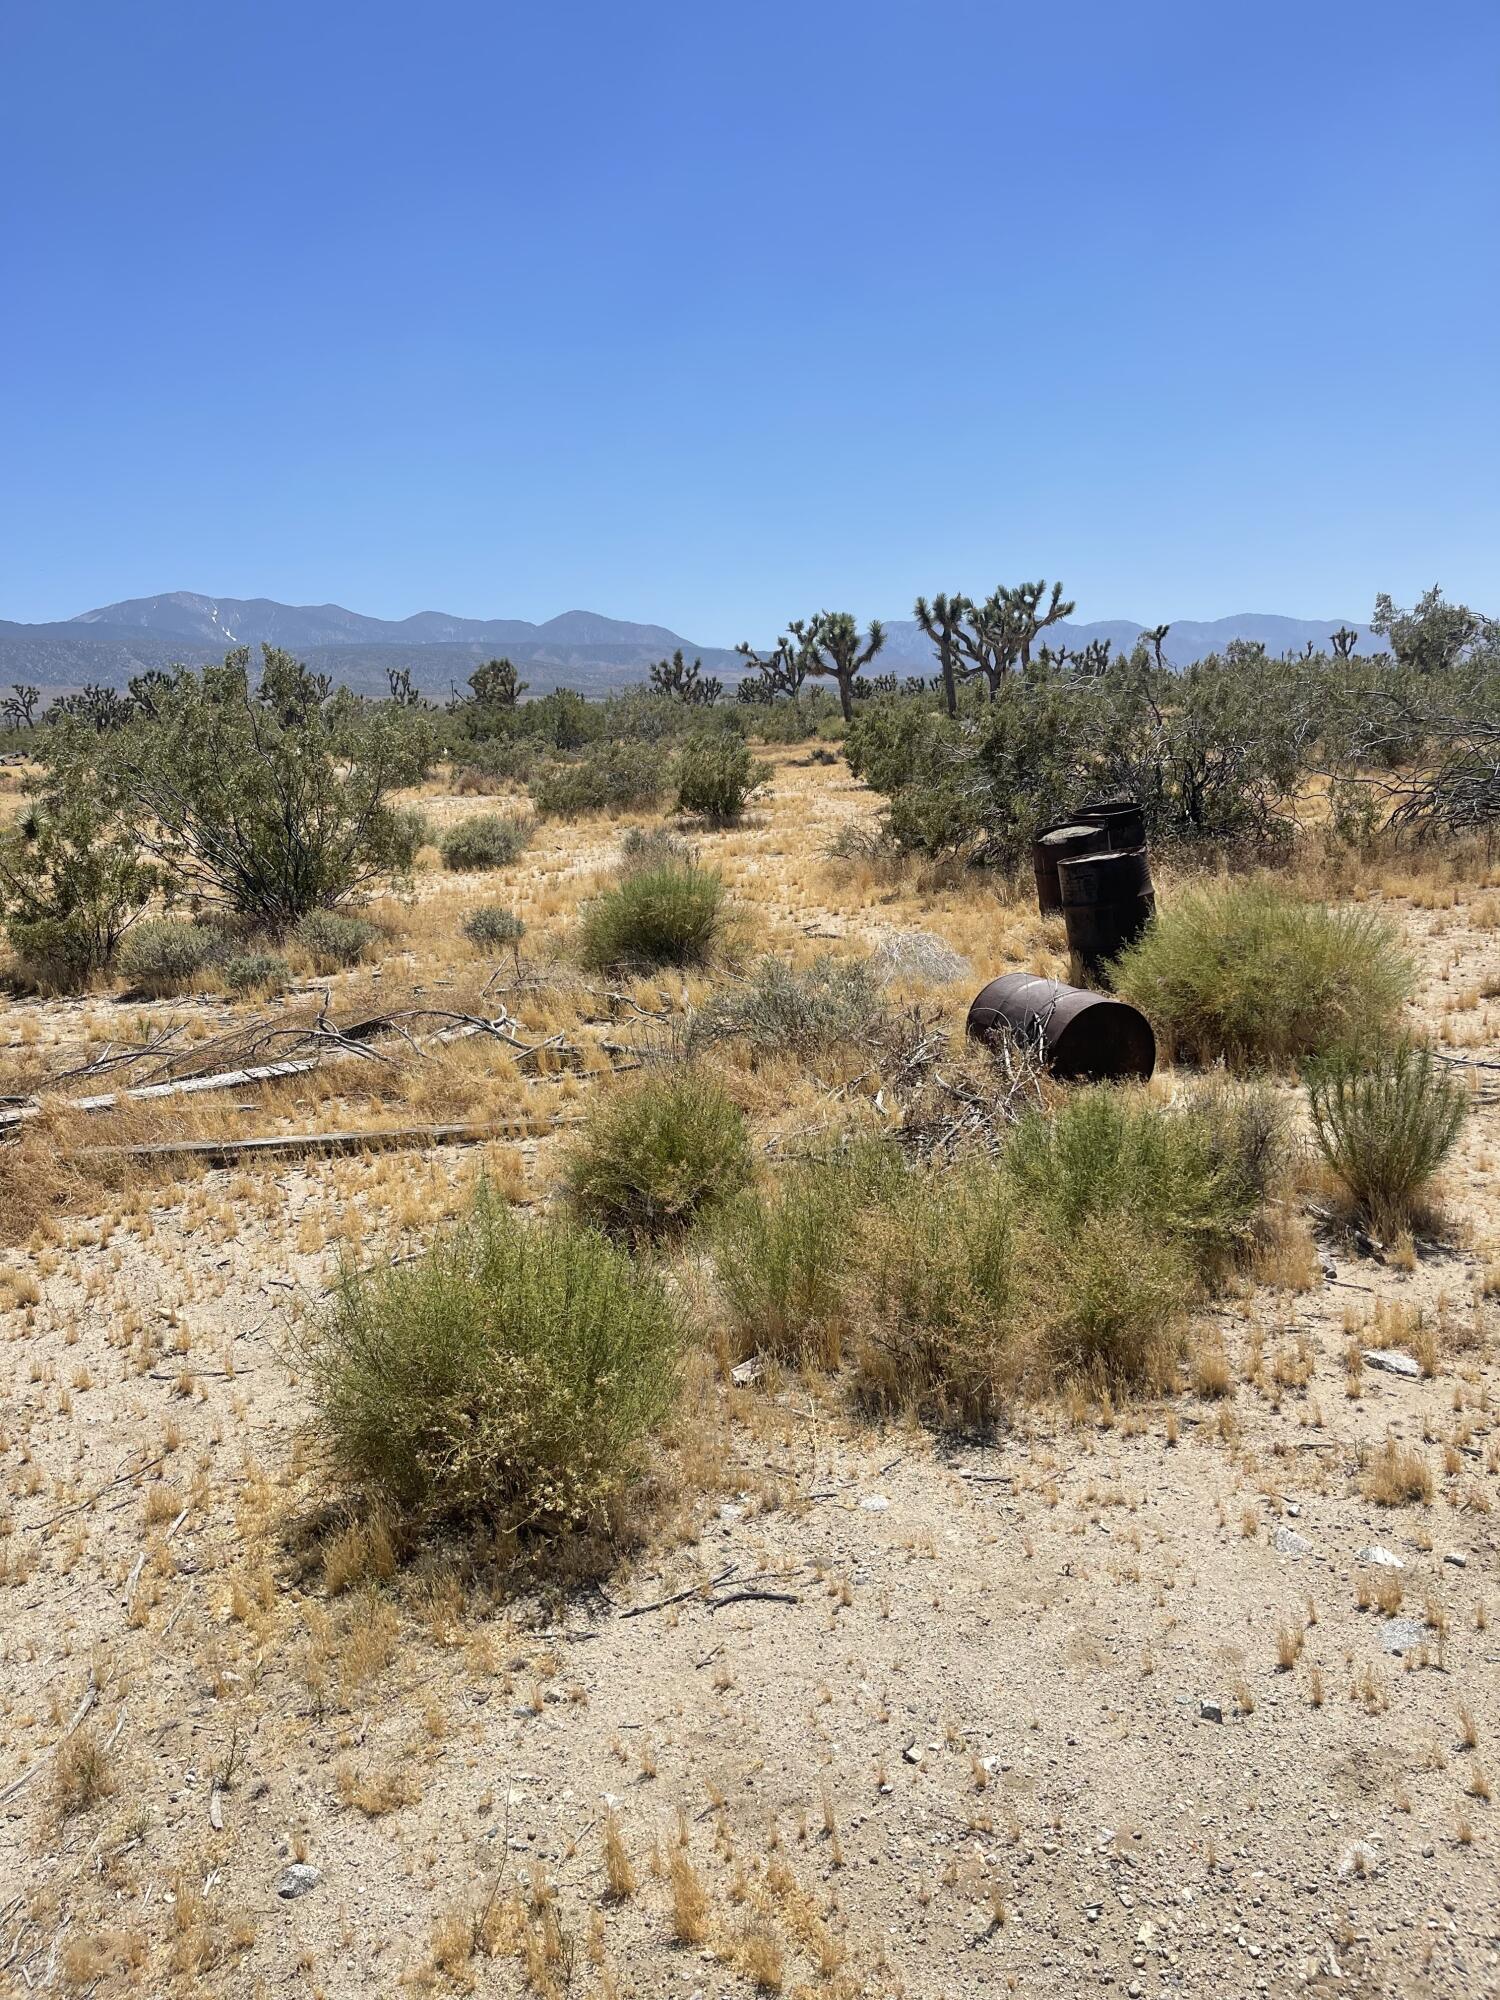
(498, 761)
(490, 840)
(667, 915)
(493, 925)
(333, 940)
(607, 777)
(510, 1377)
(716, 776)
(257, 972)
(653, 1156)
(1245, 972)
(161, 954)
(1385, 1122)
(651, 847)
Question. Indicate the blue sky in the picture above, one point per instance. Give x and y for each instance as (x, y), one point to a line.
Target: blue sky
(716, 315)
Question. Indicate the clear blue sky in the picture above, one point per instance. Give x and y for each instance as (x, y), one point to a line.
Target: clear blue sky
(714, 315)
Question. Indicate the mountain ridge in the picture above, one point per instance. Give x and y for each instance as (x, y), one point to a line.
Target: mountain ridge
(577, 648)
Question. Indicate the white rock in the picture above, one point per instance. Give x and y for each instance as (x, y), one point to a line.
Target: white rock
(1381, 1558)
(874, 1503)
(1290, 1543)
(297, 1880)
(1393, 1361)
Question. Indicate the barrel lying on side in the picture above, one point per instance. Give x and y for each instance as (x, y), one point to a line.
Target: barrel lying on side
(1107, 901)
(1079, 1035)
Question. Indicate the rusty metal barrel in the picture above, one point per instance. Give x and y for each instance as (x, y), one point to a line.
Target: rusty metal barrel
(1120, 819)
(1107, 901)
(1079, 1035)
(1049, 848)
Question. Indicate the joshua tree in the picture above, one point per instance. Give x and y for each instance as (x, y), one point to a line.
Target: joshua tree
(942, 620)
(1156, 638)
(1094, 659)
(19, 706)
(1344, 642)
(784, 669)
(834, 652)
(1025, 605)
(685, 683)
(497, 685)
(989, 639)
(403, 694)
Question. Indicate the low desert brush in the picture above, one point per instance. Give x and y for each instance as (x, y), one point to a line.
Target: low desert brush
(1247, 973)
(510, 1376)
(716, 776)
(624, 776)
(832, 1003)
(493, 925)
(654, 1155)
(489, 840)
(332, 939)
(1385, 1122)
(162, 954)
(669, 915)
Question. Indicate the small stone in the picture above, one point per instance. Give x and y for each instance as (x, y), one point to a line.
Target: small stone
(1393, 1361)
(1290, 1543)
(1381, 1558)
(297, 1880)
(1403, 1635)
(1358, 1859)
(912, 1753)
(1210, 1710)
(874, 1503)
(1456, 1559)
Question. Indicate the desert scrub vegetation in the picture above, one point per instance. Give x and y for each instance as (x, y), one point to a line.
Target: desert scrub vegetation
(625, 776)
(256, 972)
(656, 1154)
(832, 1003)
(1384, 1122)
(334, 940)
(163, 954)
(1248, 973)
(493, 925)
(1075, 1254)
(671, 914)
(489, 840)
(511, 1377)
(716, 777)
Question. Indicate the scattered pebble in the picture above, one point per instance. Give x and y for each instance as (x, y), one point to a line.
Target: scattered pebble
(1456, 1559)
(874, 1503)
(1290, 1543)
(1403, 1635)
(1211, 1710)
(297, 1880)
(1358, 1859)
(1381, 1558)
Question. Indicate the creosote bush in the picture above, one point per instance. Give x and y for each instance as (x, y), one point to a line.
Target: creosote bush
(654, 1155)
(161, 954)
(493, 925)
(333, 940)
(490, 840)
(510, 1377)
(1385, 1122)
(1246, 972)
(716, 776)
(667, 915)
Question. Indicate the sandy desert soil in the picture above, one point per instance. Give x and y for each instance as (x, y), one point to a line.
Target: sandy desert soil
(1119, 1703)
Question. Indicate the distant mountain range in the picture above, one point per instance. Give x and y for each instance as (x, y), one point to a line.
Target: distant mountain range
(579, 649)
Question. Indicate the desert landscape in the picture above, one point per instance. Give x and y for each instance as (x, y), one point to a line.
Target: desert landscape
(1187, 1688)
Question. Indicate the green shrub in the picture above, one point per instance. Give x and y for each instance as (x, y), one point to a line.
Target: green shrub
(655, 1155)
(783, 1256)
(608, 777)
(71, 883)
(832, 1003)
(491, 840)
(1245, 972)
(511, 1376)
(161, 954)
(1385, 1122)
(486, 766)
(668, 915)
(716, 776)
(333, 940)
(493, 925)
(257, 972)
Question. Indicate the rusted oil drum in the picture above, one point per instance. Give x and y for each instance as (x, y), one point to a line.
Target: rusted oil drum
(1120, 818)
(1107, 901)
(1080, 1035)
(1049, 848)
